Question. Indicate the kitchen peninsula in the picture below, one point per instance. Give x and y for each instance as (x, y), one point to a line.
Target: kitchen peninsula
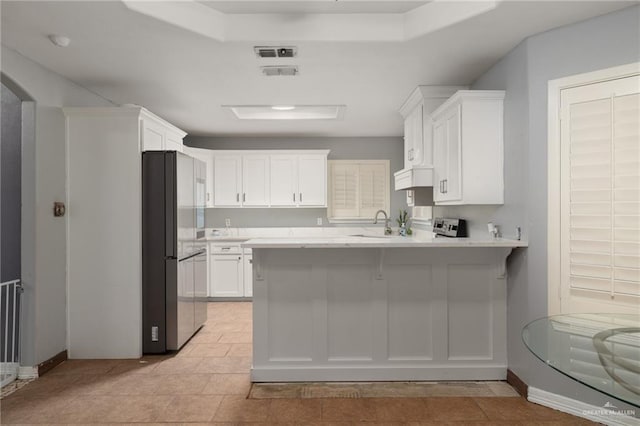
(367, 308)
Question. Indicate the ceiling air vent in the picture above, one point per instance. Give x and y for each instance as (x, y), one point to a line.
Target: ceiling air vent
(276, 51)
(283, 70)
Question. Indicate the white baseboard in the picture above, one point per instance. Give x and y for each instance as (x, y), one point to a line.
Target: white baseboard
(605, 415)
(27, 373)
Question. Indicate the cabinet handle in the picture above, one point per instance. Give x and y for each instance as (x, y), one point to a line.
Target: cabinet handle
(294, 197)
(208, 196)
(446, 185)
(441, 186)
(301, 197)
(239, 258)
(251, 261)
(237, 197)
(244, 197)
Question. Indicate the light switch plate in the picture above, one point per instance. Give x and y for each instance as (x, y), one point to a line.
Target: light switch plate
(319, 221)
(227, 222)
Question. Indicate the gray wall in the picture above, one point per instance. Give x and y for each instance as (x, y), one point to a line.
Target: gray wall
(598, 43)
(10, 194)
(390, 148)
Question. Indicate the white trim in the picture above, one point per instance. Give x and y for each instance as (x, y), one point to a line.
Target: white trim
(368, 221)
(579, 408)
(553, 172)
(416, 372)
(25, 373)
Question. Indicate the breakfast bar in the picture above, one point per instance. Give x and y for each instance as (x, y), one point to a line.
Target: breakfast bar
(367, 308)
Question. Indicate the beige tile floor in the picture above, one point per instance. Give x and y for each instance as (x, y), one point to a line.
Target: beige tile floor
(208, 382)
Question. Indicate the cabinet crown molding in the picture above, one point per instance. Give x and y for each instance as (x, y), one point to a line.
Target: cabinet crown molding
(464, 95)
(432, 96)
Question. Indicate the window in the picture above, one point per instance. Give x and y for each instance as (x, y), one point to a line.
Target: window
(599, 197)
(357, 189)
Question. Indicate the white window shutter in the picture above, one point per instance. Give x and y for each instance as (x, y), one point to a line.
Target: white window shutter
(373, 189)
(344, 190)
(358, 188)
(601, 194)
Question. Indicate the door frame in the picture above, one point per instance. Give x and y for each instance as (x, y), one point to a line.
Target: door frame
(555, 87)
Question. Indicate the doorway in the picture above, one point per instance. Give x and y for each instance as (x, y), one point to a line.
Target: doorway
(10, 233)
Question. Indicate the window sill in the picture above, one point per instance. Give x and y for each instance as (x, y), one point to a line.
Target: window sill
(338, 220)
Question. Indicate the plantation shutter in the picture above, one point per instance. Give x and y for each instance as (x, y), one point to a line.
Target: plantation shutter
(600, 224)
(344, 190)
(358, 188)
(373, 189)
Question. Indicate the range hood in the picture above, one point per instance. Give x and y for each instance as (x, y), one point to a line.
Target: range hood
(418, 144)
(413, 177)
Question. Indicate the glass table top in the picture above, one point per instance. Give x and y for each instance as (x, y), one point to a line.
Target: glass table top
(601, 351)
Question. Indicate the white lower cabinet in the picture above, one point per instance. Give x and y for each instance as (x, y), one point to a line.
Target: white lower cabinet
(230, 271)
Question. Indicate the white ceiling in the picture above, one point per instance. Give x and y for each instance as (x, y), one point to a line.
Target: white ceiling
(185, 75)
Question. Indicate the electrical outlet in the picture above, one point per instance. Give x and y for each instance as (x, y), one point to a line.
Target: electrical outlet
(319, 221)
(227, 222)
(154, 333)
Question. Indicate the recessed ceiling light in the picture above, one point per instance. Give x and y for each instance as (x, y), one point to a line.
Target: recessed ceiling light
(287, 112)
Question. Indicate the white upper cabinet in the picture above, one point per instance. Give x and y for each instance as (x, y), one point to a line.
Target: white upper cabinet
(312, 180)
(158, 135)
(270, 178)
(227, 179)
(418, 146)
(255, 180)
(284, 180)
(468, 149)
(206, 156)
(413, 137)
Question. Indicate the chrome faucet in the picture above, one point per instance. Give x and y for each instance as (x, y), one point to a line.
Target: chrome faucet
(387, 228)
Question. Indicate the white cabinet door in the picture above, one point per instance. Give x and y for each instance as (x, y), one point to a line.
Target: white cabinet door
(408, 140)
(312, 180)
(226, 275)
(227, 180)
(413, 128)
(248, 274)
(446, 150)
(284, 180)
(206, 156)
(453, 181)
(255, 180)
(208, 160)
(152, 136)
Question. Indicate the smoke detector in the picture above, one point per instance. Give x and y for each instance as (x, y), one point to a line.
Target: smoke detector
(276, 51)
(280, 70)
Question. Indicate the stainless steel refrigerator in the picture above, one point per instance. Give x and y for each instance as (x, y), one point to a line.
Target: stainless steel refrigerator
(174, 260)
